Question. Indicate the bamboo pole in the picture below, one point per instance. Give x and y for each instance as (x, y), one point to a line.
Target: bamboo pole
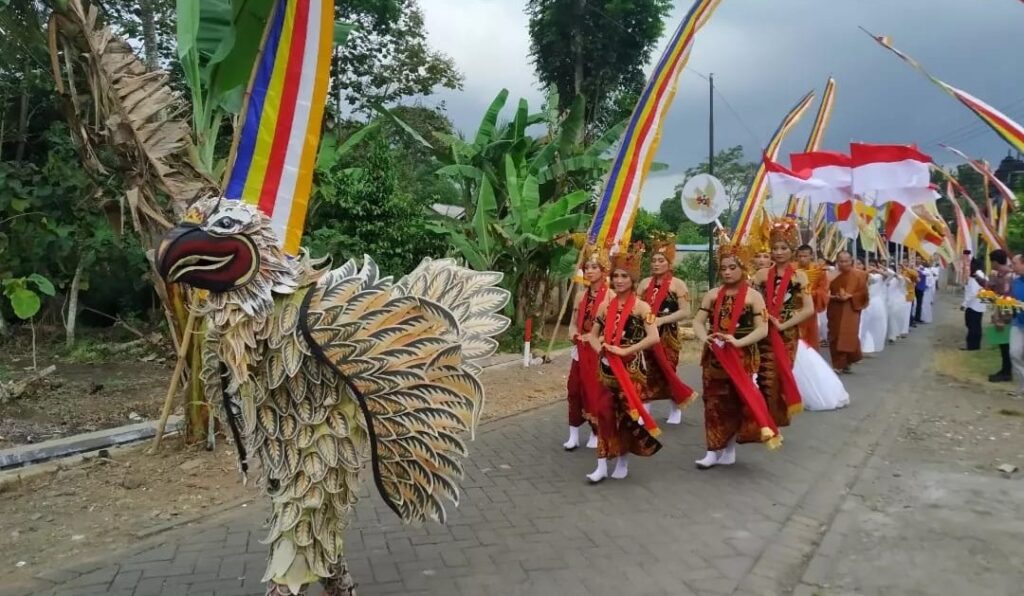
(570, 296)
(172, 388)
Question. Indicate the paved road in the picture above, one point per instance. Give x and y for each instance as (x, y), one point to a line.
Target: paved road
(530, 525)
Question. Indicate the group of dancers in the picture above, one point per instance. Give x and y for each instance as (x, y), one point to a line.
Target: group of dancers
(759, 331)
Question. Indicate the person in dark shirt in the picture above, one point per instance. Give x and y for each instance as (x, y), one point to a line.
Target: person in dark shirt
(999, 333)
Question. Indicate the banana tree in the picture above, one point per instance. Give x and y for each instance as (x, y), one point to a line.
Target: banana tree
(522, 241)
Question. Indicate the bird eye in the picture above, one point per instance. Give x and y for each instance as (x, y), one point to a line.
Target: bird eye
(226, 223)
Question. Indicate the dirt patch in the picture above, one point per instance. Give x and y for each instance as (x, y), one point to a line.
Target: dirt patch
(110, 379)
(52, 521)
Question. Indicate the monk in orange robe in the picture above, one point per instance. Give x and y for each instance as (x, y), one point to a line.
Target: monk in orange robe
(818, 290)
(848, 296)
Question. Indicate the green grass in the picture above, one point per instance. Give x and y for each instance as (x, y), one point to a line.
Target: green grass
(974, 366)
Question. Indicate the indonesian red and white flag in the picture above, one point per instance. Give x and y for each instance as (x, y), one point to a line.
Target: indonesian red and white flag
(784, 181)
(884, 173)
(903, 226)
(829, 168)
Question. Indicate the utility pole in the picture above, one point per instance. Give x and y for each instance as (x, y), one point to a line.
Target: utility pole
(711, 171)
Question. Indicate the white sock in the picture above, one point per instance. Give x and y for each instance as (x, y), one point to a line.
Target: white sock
(709, 460)
(675, 415)
(574, 438)
(647, 407)
(592, 441)
(621, 467)
(727, 456)
(600, 473)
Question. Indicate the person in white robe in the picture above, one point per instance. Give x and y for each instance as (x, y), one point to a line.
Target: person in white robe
(931, 280)
(895, 298)
(820, 387)
(874, 320)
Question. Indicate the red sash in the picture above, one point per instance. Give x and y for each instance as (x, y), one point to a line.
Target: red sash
(656, 299)
(615, 325)
(593, 404)
(783, 364)
(585, 312)
(731, 360)
(682, 394)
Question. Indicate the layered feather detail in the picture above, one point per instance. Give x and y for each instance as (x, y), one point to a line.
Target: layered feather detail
(410, 349)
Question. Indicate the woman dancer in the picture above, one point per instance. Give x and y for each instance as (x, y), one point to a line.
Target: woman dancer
(669, 299)
(624, 328)
(584, 360)
(729, 323)
(788, 304)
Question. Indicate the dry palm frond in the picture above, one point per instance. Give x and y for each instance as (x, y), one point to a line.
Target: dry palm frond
(129, 109)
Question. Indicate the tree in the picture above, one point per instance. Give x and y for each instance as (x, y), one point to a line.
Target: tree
(732, 170)
(386, 58)
(671, 212)
(519, 193)
(359, 211)
(597, 49)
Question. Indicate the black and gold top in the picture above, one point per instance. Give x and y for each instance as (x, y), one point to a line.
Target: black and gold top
(744, 327)
(633, 334)
(668, 306)
(792, 302)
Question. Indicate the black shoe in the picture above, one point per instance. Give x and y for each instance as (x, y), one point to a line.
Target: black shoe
(1000, 377)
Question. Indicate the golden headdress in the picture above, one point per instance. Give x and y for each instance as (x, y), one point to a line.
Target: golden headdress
(597, 255)
(726, 248)
(664, 243)
(785, 229)
(629, 259)
(758, 239)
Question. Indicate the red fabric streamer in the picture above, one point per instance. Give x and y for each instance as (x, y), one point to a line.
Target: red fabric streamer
(732, 362)
(682, 394)
(613, 331)
(595, 398)
(783, 364)
(656, 299)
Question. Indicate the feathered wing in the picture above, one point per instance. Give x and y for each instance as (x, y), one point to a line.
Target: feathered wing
(407, 353)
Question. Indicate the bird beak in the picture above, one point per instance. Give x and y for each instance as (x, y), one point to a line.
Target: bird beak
(189, 254)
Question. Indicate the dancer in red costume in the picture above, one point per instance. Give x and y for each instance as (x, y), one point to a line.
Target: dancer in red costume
(623, 330)
(670, 301)
(784, 288)
(730, 322)
(584, 360)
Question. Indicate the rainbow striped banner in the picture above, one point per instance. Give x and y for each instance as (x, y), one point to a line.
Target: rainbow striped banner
(758, 189)
(620, 200)
(272, 165)
(1007, 129)
(984, 226)
(983, 169)
(817, 134)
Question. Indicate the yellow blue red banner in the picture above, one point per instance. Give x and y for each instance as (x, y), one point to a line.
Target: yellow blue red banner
(620, 200)
(282, 117)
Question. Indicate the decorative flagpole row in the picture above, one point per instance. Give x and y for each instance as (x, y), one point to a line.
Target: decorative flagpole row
(821, 122)
(1000, 123)
(743, 221)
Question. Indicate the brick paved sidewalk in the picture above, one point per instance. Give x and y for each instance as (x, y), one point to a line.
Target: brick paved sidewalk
(530, 525)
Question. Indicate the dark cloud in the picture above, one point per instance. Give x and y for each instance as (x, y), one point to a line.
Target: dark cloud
(766, 54)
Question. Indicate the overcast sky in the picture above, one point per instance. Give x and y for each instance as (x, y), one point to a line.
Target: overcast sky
(765, 55)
